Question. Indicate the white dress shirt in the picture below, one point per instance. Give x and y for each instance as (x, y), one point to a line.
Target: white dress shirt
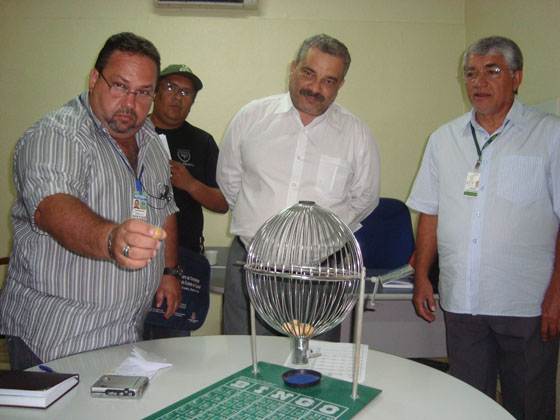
(269, 161)
(496, 250)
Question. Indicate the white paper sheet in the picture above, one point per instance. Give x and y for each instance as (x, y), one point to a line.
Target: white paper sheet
(163, 139)
(141, 363)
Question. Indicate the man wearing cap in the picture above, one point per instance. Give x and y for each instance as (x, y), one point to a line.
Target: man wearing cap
(193, 159)
(194, 154)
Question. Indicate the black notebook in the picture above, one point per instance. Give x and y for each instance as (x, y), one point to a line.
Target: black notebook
(34, 389)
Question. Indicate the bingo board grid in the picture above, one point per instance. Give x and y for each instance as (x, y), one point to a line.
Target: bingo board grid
(248, 396)
(245, 398)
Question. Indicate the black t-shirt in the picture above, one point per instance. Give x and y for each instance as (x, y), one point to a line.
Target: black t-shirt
(197, 150)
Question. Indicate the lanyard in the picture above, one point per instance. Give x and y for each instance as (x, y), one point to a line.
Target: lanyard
(478, 149)
(138, 179)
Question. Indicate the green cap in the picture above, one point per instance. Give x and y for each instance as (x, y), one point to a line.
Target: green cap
(183, 71)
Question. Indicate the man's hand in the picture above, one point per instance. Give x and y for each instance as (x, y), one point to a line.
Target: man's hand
(170, 290)
(75, 226)
(550, 307)
(138, 237)
(209, 197)
(423, 299)
(550, 323)
(426, 248)
(180, 176)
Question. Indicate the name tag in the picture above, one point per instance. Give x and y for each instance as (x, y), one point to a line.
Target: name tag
(471, 184)
(140, 207)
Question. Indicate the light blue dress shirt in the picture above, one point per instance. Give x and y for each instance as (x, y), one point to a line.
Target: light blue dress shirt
(496, 250)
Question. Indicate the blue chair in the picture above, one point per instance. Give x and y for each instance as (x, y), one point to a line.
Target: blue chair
(386, 239)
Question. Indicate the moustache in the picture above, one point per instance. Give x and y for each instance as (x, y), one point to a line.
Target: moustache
(317, 96)
(127, 111)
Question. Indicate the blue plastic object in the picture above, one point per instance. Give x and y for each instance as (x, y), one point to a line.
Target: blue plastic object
(301, 378)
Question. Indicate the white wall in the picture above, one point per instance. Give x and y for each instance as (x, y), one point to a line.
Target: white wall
(404, 79)
(402, 82)
(533, 25)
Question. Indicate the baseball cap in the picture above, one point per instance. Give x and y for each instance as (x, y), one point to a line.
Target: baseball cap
(183, 71)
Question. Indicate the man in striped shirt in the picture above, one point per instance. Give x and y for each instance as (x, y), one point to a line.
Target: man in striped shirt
(86, 262)
(488, 193)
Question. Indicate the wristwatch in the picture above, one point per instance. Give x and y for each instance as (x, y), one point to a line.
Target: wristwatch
(176, 271)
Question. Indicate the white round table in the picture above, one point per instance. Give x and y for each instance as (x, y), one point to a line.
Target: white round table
(410, 390)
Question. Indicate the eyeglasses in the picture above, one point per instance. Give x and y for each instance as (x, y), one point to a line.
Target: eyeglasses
(118, 91)
(490, 73)
(173, 88)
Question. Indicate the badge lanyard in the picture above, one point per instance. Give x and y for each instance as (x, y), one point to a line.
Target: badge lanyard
(473, 178)
(478, 149)
(139, 200)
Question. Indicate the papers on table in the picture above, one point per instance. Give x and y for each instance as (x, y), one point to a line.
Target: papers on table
(334, 359)
(141, 363)
(34, 389)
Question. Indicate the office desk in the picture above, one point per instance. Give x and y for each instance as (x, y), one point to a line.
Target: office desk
(392, 326)
(410, 390)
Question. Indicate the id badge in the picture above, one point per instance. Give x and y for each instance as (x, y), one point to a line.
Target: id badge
(471, 184)
(140, 207)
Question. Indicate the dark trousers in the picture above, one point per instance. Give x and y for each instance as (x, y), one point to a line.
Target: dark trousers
(21, 356)
(480, 347)
(235, 311)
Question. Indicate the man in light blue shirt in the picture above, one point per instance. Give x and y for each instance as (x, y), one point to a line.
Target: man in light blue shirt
(488, 191)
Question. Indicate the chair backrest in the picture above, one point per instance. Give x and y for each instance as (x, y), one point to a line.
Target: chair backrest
(386, 239)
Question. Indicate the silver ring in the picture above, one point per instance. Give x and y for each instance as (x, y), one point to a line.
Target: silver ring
(126, 250)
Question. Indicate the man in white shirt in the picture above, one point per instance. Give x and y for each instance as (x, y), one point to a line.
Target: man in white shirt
(488, 192)
(296, 146)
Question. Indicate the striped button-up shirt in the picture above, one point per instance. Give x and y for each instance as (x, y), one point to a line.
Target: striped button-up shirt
(59, 302)
(497, 249)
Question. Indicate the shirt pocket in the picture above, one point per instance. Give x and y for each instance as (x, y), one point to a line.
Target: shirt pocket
(521, 179)
(333, 176)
